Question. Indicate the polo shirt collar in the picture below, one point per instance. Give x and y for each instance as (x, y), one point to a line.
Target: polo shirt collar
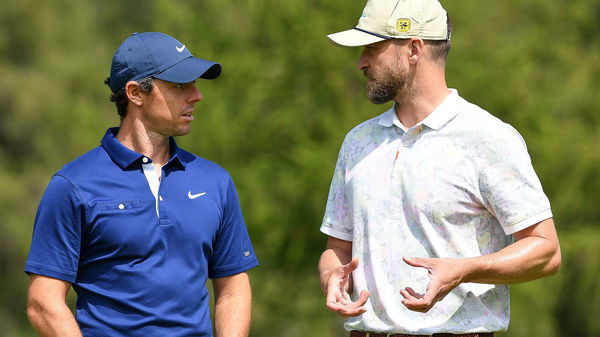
(125, 157)
(444, 113)
(387, 118)
(441, 115)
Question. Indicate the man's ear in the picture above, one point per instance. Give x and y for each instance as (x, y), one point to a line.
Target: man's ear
(133, 92)
(416, 47)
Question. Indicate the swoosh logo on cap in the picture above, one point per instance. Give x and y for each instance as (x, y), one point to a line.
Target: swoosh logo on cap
(180, 49)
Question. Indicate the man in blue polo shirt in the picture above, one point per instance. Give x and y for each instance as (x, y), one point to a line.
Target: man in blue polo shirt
(137, 225)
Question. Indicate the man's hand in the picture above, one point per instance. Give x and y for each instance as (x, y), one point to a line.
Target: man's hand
(534, 254)
(445, 275)
(336, 292)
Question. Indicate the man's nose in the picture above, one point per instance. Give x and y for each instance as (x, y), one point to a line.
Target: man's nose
(195, 95)
(362, 62)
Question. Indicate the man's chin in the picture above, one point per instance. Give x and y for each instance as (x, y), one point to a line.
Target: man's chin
(181, 132)
(378, 99)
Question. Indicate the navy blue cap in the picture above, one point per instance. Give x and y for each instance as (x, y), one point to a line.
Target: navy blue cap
(160, 56)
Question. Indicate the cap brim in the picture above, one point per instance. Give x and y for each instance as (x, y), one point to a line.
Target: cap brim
(189, 70)
(354, 38)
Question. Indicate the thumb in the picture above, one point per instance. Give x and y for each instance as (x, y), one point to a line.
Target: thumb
(363, 297)
(350, 267)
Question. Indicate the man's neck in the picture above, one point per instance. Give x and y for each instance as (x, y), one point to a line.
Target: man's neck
(136, 137)
(428, 90)
(417, 107)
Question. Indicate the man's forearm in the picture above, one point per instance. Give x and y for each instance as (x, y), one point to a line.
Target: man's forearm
(233, 306)
(534, 255)
(53, 320)
(46, 307)
(525, 260)
(232, 316)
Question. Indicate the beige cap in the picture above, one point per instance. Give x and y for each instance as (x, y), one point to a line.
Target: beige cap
(396, 19)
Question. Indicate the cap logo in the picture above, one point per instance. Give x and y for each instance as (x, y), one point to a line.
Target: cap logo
(403, 25)
(180, 49)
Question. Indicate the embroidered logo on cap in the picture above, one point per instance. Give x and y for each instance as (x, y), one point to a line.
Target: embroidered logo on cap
(403, 25)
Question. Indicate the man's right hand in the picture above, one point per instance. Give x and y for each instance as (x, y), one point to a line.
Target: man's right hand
(338, 284)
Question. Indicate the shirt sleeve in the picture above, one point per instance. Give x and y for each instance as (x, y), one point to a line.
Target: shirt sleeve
(55, 244)
(232, 250)
(509, 186)
(337, 221)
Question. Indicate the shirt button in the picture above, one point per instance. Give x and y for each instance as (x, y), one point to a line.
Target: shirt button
(121, 206)
(160, 197)
(406, 144)
(145, 160)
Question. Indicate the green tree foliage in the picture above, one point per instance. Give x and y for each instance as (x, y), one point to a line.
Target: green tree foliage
(277, 116)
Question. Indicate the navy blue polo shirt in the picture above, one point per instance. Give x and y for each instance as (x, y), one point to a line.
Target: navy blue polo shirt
(140, 269)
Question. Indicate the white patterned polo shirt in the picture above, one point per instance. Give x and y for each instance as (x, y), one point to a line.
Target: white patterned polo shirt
(455, 185)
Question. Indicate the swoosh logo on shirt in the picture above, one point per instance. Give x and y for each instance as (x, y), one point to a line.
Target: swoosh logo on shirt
(180, 49)
(194, 196)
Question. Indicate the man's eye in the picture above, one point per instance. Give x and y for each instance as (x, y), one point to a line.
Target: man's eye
(179, 85)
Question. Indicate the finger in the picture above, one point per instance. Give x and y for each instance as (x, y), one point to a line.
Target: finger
(332, 306)
(363, 297)
(417, 262)
(347, 310)
(347, 301)
(338, 295)
(413, 293)
(356, 308)
(417, 304)
(417, 308)
(407, 295)
(412, 296)
(352, 312)
(335, 303)
(350, 267)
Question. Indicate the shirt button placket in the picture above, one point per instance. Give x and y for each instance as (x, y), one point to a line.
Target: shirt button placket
(163, 214)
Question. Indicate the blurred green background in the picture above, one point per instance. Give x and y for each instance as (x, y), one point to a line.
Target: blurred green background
(277, 117)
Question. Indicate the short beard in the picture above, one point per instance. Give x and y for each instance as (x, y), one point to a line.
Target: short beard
(389, 86)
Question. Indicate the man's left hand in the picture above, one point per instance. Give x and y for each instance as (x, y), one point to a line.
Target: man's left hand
(444, 274)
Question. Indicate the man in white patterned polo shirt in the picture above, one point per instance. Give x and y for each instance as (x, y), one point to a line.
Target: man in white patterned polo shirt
(434, 206)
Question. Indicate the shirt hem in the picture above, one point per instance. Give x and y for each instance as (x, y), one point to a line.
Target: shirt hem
(327, 229)
(233, 270)
(45, 271)
(529, 221)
